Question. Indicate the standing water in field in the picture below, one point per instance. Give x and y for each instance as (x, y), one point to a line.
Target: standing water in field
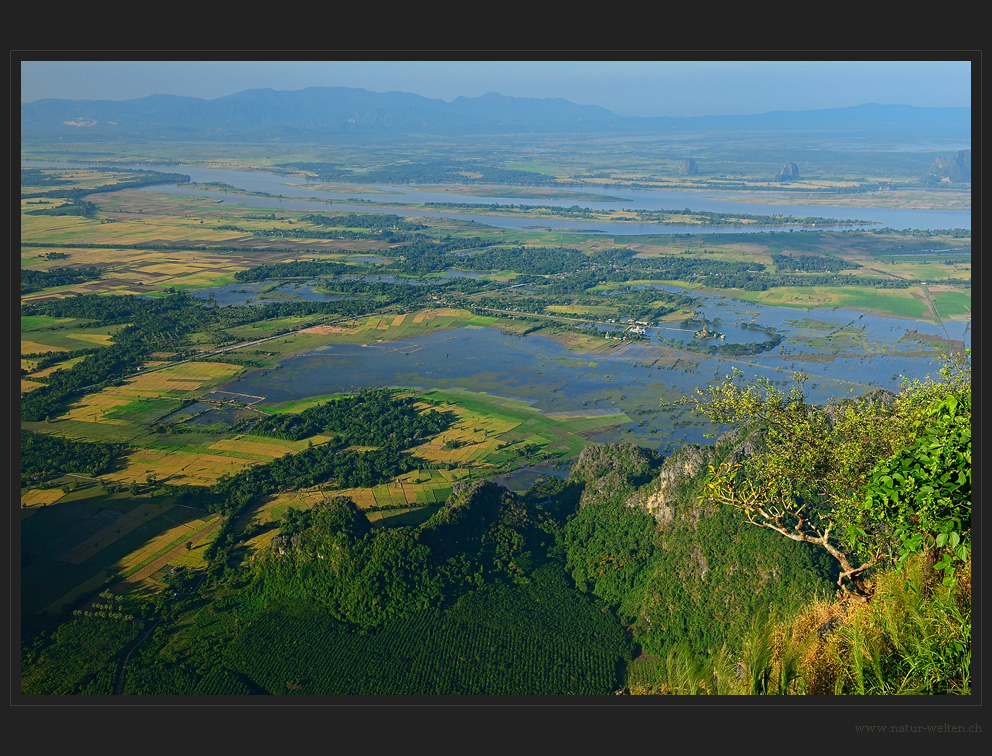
(846, 353)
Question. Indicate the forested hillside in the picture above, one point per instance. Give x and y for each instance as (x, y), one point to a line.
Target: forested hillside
(808, 550)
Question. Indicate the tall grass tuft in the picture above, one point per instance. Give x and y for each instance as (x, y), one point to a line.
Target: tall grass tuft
(912, 638)
(684, 672)
(789, 676)
(756, 657)
(721, 673)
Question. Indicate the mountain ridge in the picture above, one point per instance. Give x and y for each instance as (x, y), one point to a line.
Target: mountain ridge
(328, 111)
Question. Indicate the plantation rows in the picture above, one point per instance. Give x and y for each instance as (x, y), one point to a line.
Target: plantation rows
(503, 640)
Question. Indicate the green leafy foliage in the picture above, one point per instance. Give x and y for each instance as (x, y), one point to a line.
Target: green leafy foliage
(697, 580)
(332, 558)
(922, 494)
(36, 280)
(854, 477)
(609, 546)
(294, 269)
(707, 582)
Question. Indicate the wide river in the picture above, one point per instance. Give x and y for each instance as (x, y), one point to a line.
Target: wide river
(298, 194)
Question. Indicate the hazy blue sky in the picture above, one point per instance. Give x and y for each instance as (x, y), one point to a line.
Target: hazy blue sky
(629, 88)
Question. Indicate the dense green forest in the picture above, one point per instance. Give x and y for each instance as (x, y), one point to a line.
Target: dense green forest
(371, 418)
(37, 280)
(45, 456)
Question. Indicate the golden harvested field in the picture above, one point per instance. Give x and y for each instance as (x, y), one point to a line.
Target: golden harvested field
(34, 347)
(477, 434)
(136, 218)
(425, 316)
(272, 507)
(363, 497)
(182, 378)
(195, 557)
(143, 577)
(328, 329)
(101, 339)
(95, 408)
(38, 203)
(261, 542)
(175, 536)
(134, 270)
(168, 268)
(85, 178)
(261, 446)
(64, 365)
(37, 497)
(99, 257)
(179, 467)
(68, 339)
(412, 489)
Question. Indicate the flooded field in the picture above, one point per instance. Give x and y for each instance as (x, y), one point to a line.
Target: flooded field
(846, 353)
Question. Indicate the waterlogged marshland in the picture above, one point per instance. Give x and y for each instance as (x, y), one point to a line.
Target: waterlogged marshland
(845, 352)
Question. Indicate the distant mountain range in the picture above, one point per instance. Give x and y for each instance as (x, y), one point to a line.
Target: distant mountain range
(318, 112)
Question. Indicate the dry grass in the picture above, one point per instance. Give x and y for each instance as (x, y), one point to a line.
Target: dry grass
(177, 467)
(33, 347)
(240, 445)
(815, 631)
(177, 535)
(38, 497)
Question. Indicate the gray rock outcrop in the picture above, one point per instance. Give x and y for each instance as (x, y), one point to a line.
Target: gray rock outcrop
(788, 172)
(954, 170)
(689, 168)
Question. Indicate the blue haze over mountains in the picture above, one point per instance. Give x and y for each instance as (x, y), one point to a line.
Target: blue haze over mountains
(324, 111)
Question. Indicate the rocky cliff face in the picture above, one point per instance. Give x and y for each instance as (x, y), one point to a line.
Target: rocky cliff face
(692, 572)
(954, 170)
(680, 470)
(606, 471)
(669, 495)
(688, 168)
(788, 172)
(660, 499)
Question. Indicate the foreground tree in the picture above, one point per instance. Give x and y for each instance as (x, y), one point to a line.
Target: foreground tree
(864, 480)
